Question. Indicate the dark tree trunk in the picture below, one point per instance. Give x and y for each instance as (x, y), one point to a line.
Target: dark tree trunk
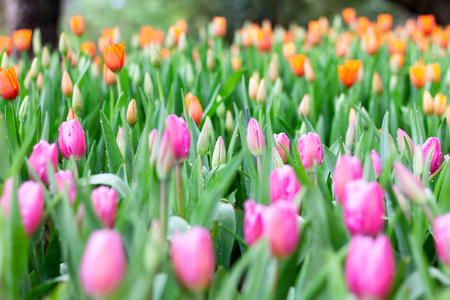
(439, 8)
(34, 13)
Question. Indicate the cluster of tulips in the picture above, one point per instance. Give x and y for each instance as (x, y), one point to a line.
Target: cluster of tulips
(261, 170)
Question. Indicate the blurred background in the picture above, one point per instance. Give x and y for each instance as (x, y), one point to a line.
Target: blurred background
(52, 15)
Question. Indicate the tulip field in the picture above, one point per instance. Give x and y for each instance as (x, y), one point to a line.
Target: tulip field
(290, 163)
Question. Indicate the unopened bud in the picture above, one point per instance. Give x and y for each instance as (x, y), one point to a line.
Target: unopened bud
(221, 109)
(37, 42)
(132, 113)
(182, 42)
(210, 125)
(34, 69)
(229, 122)
(210, 60)
(377, 85)
(278, 87)
(219, 154)
(352, 116)
(256, 76)
(71, 115)
(418, 162)
(410, 186)
(427, 103)
(273, 71)
(152, 137)
(121, 141)
(155, 58)
(40, 81)
(253, 87)
(203, 140)
(45, 59)
(236, 63)
(439, 103)
(27, 80)
(350, 135)
(148, 85)
(304, 107)
(277, 160)
(309, 71)
(66, 85)
(261, 96)
(23, 111)
(77, 100)
(5, 61)
(166, 157)
(63, 44)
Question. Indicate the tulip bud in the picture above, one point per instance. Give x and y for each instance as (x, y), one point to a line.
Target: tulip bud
(352, 117)
(210, 60)
(253, 221)
(418, 161)
(219, 154)
(182, 42)
(121, 141)
(71, 115)
(441, 226)
(148, 85)
(43, 152)
(310, 149)
(23, 111)
(427, 103)
(155, 58)
(37, 42)
(66, 180)
(350, 135)
(309, 71)
(103, 265)
(376, 163)
(66, 85)
(132, 113)
(236, 63)
(77, 101)
(210, 125)
(45, 59)
(255, 138)
(304, 107)
(5, 61)
(253, 88)
(180, 137)
(27, 80)
(277, 88)
(284, 185)
(219, 26)
(401, 136)
(109, 76)
(152, 137)
(377, 85)
(71, 140)
(40, 82)
(436, 156)
(439, 104)
(273, 71)
(370, 267)
(166, 157)
(347, 169)
(277, 161)
(261, 95)
(104, 203)
(281, 140)
(229, 122)
(203, 141)
(410, 186)
(63, 44)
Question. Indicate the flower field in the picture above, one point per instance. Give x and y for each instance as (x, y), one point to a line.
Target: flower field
(293, 163)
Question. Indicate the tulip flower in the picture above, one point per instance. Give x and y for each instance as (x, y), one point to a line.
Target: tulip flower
(281, 140)
(9, 85)
(348, 72)
(166, 157)
(401, 136)
(410, 185)
(347, 169)
(310, 149)
(229, 122)
(104, 201)
(264, 39)
(396, 62)
(371, 43)
(439, 104)
(194, 108)
(89, 49)
(65, 180)
(253, 87)
(273, 71)
(309, 71)
(179, 137)
(384, 21)
(281, 228)
(377, 85)
(297, 64)
(219, 154)
(132, 113)
(219, 25)
(114, 56)
(427, 103)
(370, 267)
(426, 23)
(433, 73)
(436, 156)
(289, 50)
(71, 140)
(255, 138)
(304, 107)
(349, 15)
(253, 221)
(22, 39)
(7, 44)
(66, 85)
(363, 207)
(43, 153)
(109, 76)
(103, 265)
(376, 163)
(441, 230)
(417, 75)
(261, 95)
(193, 258)
(284, 184)
(236, 63)
(397, 46)
(77, 25)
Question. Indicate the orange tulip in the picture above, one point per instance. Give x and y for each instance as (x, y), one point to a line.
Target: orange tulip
(297, 63)
(371, 44)
(114, 56)
(417, 75)
(439, 104)
(66, 85)
(109, 76)
(384, 22)
(182, 26)
(396, 62)
(427, 103)
(77, 25)
(174, 32)
(314, 33)
(22, 39)
(219, 25)
(343, 44)
(289, 50)
(397, 46)
(377, 85)
(426, 23)
(362, 23)
(348, 72)
(440, 37)
(288, 37)
(164, 53)
(9, 85)
(88, 48)
(349, 15)
(264, 41)
(7, 44)
(147, 35)
(194, 108)
(236, 63)
(71, 115)
(433, 73)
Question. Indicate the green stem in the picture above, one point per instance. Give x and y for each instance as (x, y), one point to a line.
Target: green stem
(119, 86)
(163, 209)
(179, 190)
(258, 163)
(13, 112)
(111, 104)
(34, 263)
(276, 276)
(160, 88)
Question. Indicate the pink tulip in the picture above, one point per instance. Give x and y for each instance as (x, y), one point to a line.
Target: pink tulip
(255, 138)
(179, 136)
(104, 202)
(284, 184)
(401, 136)
(363, 207)
(281, 227)
(193, 258)
(347, 168)
(165, 158)
(65, 179)
(370, 267)
(253, 221)
(43, 152)
(71, 140)
(281, 139)
(441, 229)
(436, 156)
(103, 264)
(310, 150)
(409, 184)
(376, 163)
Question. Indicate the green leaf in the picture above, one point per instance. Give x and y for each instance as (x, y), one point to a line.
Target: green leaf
(112, 180)
(231, 83)
(5, 162)
(113, 154)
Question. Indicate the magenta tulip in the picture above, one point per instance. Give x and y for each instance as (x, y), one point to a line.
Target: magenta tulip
(284, 184)
(370, 267)
(347, 168)
(43, 152)
(65, 180)
(104, 202)
(71, 140)
(363, 207)
(409, 184)
(255, 138)
(441, 230)
(179, 137)
(281, 139)
(193, 258)
(103, 264)
(401, 136)
(376, 163)
(436, 156)
(310, 149)
(253, 221)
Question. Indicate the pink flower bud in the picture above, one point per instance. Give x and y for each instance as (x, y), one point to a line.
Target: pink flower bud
(166, 158)
(348, 168)
(281, 227)
(436, 156)
(71, 140)
(103, 264)
(370, 267)
(401, 136)
(104, 202)
(409, 184)
(65, 179)
(179, 136)
(42, 153)
(255, 138)
(363, 207)
(441, 230)
(376, 162)
(284, 184)
(253, 221)
(193, 258)
(282, 139)
(310, 150)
